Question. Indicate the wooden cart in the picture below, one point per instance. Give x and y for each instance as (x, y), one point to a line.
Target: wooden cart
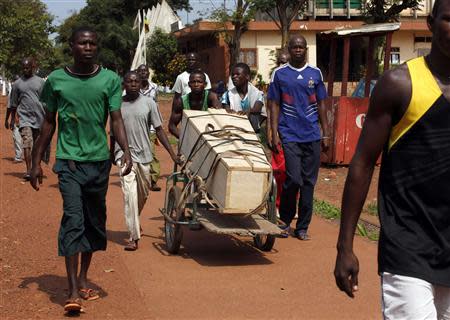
(188, 204)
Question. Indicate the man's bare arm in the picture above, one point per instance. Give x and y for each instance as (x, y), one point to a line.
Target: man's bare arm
(390, 95)
(120, 136)
(175, 116)
(47, 130)
(274, 109)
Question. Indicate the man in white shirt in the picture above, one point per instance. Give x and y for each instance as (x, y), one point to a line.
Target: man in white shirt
(181, 86)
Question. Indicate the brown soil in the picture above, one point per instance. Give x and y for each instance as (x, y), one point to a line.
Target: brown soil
(213, 277)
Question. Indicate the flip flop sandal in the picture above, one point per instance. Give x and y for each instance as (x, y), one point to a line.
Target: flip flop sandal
(73, 305)
(89, 294)
(131, 246)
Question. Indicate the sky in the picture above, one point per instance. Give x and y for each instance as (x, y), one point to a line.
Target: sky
(61, 9)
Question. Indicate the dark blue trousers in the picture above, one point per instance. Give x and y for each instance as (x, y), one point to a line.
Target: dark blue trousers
(302, 168)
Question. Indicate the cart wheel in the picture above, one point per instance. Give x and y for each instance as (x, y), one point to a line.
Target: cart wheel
(173, 232)
(266, 242)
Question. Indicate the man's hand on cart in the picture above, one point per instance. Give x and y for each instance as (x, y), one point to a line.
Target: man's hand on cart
(178, 159)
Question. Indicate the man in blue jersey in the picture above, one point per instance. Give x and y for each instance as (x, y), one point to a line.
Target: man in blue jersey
(297, 96)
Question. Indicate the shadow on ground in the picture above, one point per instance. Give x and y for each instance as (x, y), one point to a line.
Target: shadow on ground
(223, 250)
(55, 287)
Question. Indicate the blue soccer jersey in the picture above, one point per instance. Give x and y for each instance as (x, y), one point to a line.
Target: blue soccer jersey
(298, 91)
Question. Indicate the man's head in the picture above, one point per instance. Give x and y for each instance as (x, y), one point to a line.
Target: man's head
(240, 75)
(132, 82)
(298, 48)
(439, 25)
(28, 67)
(197, 81)
(143, 72)
(282, 58)
(192, 62)
(83, 43)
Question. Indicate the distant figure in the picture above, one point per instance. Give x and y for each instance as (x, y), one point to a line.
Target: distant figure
(409, 122)
(13, 125)
(81, 95)
(139, 114)
(198, 98)
(282, 58)
(298, 97)
(181, 86)
(25, 101)
(150, 89)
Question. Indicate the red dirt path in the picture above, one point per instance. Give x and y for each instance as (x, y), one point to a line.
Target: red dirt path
(214, 277)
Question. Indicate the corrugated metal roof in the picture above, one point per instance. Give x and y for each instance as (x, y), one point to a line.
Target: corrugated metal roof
(365, 29)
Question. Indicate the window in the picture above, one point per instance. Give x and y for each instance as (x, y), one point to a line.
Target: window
(422, 39)
(248, 56)
(395, 55)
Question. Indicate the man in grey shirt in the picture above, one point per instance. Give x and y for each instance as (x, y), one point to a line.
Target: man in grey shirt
(25, 101)
(139, 113)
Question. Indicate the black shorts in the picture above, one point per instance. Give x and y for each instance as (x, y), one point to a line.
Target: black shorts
(83, 187)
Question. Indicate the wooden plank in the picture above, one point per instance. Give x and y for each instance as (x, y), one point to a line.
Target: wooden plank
(244, 225)
(387, 52)
(370, 64)
(332, 67)
(345, 66)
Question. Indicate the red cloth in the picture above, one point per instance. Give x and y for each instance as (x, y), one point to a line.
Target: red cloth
(279, 171)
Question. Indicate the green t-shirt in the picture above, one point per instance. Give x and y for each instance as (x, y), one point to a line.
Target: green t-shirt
(82, 104)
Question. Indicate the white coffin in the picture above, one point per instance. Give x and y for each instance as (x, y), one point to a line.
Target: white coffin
(237, 183)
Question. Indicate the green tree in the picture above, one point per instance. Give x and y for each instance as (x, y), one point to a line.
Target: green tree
(161, 48)
(24, 30)
(282, 12)
(380, 11)
(113, 20)
(239, 19)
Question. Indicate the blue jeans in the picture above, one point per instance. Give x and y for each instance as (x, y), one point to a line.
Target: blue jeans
(302, 169)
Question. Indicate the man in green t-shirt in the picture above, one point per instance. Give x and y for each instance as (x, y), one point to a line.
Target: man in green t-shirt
(198, 99)
(81, 96)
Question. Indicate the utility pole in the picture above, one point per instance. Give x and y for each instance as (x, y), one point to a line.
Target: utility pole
(225, 5)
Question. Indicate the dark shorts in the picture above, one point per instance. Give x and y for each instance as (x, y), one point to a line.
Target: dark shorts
(83, 187)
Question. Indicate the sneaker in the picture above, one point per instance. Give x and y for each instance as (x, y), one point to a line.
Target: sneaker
(285, 230)
(17, 160)
(302, 235)
(26, 177)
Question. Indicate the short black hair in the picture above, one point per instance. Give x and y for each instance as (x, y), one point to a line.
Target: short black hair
(243, 66)
(142, 66)
(130, 73)
(81, 29)
(196, 73)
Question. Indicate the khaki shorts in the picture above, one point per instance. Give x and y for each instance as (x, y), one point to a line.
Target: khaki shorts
(29, 136)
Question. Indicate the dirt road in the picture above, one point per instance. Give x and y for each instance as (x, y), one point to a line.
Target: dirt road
(214, 277)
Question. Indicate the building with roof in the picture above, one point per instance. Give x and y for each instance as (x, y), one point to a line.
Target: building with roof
(261, 41)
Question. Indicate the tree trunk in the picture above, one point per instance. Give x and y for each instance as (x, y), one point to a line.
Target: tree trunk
(284, 22)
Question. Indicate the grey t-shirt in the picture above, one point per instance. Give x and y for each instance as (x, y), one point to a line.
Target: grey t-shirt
(138, 116)
(25, 97)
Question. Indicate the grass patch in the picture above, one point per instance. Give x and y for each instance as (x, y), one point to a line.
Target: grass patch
(326, 210)
(372, 208)
(172, 140)
(163, 96)
(329, 211)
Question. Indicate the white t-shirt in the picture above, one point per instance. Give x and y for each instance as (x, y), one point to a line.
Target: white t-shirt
(181, 85)
(236, 103)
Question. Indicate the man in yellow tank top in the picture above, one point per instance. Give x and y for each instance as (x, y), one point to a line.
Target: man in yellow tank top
(409, 120)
